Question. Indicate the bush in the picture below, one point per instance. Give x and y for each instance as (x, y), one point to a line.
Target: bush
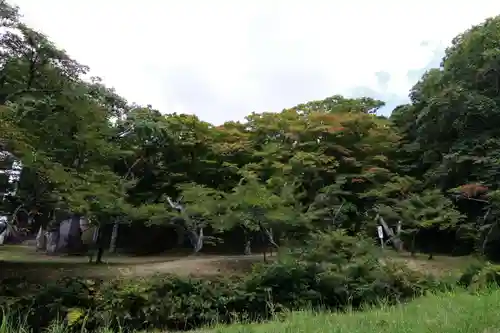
(166, 302)
(295, 284)
(480, 276)
(353, 278)
(337, 247)
(337, 271)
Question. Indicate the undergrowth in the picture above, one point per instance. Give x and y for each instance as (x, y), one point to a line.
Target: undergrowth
(456, 311)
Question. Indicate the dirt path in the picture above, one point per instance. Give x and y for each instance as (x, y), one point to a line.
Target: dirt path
(205, 265)
(26, 262)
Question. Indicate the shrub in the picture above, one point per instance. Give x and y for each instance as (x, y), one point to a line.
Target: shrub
(296, 284)
(166, 302)
(47, 303)
(337, 247)
(480, 276)
(338, 271)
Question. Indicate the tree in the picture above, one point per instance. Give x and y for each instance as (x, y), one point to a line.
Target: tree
(254, 207)
(426, 210)
(450, 128)
(56, 126)
(203, 208)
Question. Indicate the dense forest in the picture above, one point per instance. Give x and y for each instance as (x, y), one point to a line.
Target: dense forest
(153, 180)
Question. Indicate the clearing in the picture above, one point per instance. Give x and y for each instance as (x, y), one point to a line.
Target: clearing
(22, 260)
(459, 312)
(439, 266)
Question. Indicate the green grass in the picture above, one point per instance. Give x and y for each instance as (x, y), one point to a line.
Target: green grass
(445, 313)
(24, 261)
(440, 265)
(458, 312)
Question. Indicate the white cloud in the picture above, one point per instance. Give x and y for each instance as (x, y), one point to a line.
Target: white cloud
(222, 59)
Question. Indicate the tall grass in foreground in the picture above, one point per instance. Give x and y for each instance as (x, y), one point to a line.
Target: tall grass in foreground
(454, 312)
(459, 312)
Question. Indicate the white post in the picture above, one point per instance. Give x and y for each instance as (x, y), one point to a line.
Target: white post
(380, 232)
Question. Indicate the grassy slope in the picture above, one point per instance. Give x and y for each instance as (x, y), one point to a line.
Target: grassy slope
(446, 313)
(449, 313)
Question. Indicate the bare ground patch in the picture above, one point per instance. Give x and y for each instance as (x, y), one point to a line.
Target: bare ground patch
(438, 266)
(22, 261)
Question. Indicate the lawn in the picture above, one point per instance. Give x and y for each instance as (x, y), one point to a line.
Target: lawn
(459, 312)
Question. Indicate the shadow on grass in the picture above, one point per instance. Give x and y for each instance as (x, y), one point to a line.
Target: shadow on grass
(49, 270)
(19, 261)
(26, 262)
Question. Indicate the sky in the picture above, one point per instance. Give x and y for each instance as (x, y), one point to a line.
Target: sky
(223, 59)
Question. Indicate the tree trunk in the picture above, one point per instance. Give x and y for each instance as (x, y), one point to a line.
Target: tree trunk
(75, 243)
(392, 237)
(269, 237)
(337, 212)
(114, 237)
(98, 245)
(52, 241)
(181, 235)
(413, 240)
(248, 242)
(100, 252)
(3, 226)
(41, 240)
(487, 238)
(430, 249)
(264, 242)
(4, 232)
(196, 240)
(248, 248)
